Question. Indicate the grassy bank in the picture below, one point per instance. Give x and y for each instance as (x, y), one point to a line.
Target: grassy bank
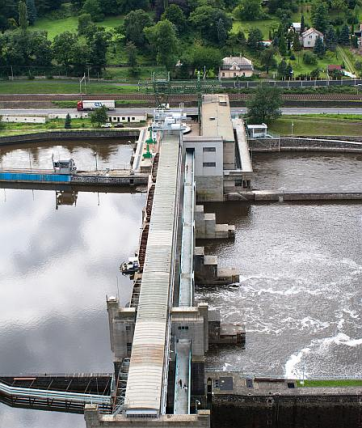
(63, 87)
(316, 125)
(336, 383)
(53, 125)
(56, 26)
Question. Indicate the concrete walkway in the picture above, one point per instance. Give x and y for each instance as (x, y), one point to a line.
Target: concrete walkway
(182, 379)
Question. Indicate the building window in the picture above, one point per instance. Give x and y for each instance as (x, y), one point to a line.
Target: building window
(209, 149)
(129, 347)
(123, 118)
(209, 164)
(133, 118)
(223, 74)
(128, 328)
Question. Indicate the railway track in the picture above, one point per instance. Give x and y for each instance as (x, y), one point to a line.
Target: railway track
(175, 98)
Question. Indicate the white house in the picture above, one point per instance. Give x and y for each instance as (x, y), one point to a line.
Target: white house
(309, 37)
(297, 26)
(235, 66)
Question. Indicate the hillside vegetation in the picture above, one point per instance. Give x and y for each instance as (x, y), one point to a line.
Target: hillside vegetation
(129, 39)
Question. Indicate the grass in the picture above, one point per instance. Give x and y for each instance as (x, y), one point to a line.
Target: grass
(329, 383)
(264, 25)
(62, 87)
(51, 125)
(317, 125)
(122, 73)
(56, 26)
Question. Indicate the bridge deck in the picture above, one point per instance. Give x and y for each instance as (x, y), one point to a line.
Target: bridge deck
(147, 379)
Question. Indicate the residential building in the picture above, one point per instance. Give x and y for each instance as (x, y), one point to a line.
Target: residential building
(309, 37)
(235, 66)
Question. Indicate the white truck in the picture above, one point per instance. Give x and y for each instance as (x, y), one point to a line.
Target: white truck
(93, 105)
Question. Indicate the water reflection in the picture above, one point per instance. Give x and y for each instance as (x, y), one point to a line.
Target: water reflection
(88, 155)
(307, 171)
(56, 268)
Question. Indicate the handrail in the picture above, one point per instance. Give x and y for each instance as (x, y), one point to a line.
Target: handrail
(51, 394)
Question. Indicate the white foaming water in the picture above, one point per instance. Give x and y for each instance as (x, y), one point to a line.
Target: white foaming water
(291, 370)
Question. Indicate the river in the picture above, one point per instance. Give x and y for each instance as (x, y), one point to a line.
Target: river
(300, 293)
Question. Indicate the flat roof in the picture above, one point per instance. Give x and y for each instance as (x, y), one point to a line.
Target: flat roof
(216, 117)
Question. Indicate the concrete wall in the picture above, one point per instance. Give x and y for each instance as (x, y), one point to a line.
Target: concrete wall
(67, 135)
(341, 144)
(273, 411)
(95, 420)
(210, 189)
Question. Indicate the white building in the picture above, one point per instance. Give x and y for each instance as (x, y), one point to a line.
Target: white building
(235, 66)
(258, 131)
(309, 37)
(297, 27)
(128, 118)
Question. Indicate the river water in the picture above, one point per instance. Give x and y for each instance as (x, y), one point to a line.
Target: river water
(300, 293)
(57, 264)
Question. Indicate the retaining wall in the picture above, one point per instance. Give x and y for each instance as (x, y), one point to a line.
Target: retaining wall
(67, 135)
(278, 411)
(322, 144)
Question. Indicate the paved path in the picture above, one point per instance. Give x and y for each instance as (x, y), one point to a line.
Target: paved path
(240, 110)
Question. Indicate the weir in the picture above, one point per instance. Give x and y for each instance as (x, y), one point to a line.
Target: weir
(161, 338)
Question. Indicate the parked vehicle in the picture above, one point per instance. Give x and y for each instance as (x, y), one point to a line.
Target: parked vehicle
(130, 267)
(106, 125)
(89, 105)
(119, 125)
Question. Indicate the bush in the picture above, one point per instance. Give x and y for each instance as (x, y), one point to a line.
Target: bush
(309, 58)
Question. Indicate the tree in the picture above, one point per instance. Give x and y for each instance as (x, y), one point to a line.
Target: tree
(320, 15)
(99, 116)
(163, 40)
(309, 58)
(255, 39)
(84, 22)
(314, 74)
(8, 13)
(344, 36)
(331, 39)
(63, 45)
(296, 43)
(131, 51)
(93, 8)
(282, 45)
(221, 32)
(204, 19)
(98, 49)
(68, 122)
(199, 57)
(282, 69)
(319, 48)
(267, 59)
(174, 14)
(248, 10)
(23, 16)
(264, 106)
(134, 24)
(32, 13)
(302, 24)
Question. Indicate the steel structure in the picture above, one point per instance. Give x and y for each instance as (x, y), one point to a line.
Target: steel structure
(146, 392)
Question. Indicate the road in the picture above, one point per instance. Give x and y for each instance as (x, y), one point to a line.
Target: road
(235, 110)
